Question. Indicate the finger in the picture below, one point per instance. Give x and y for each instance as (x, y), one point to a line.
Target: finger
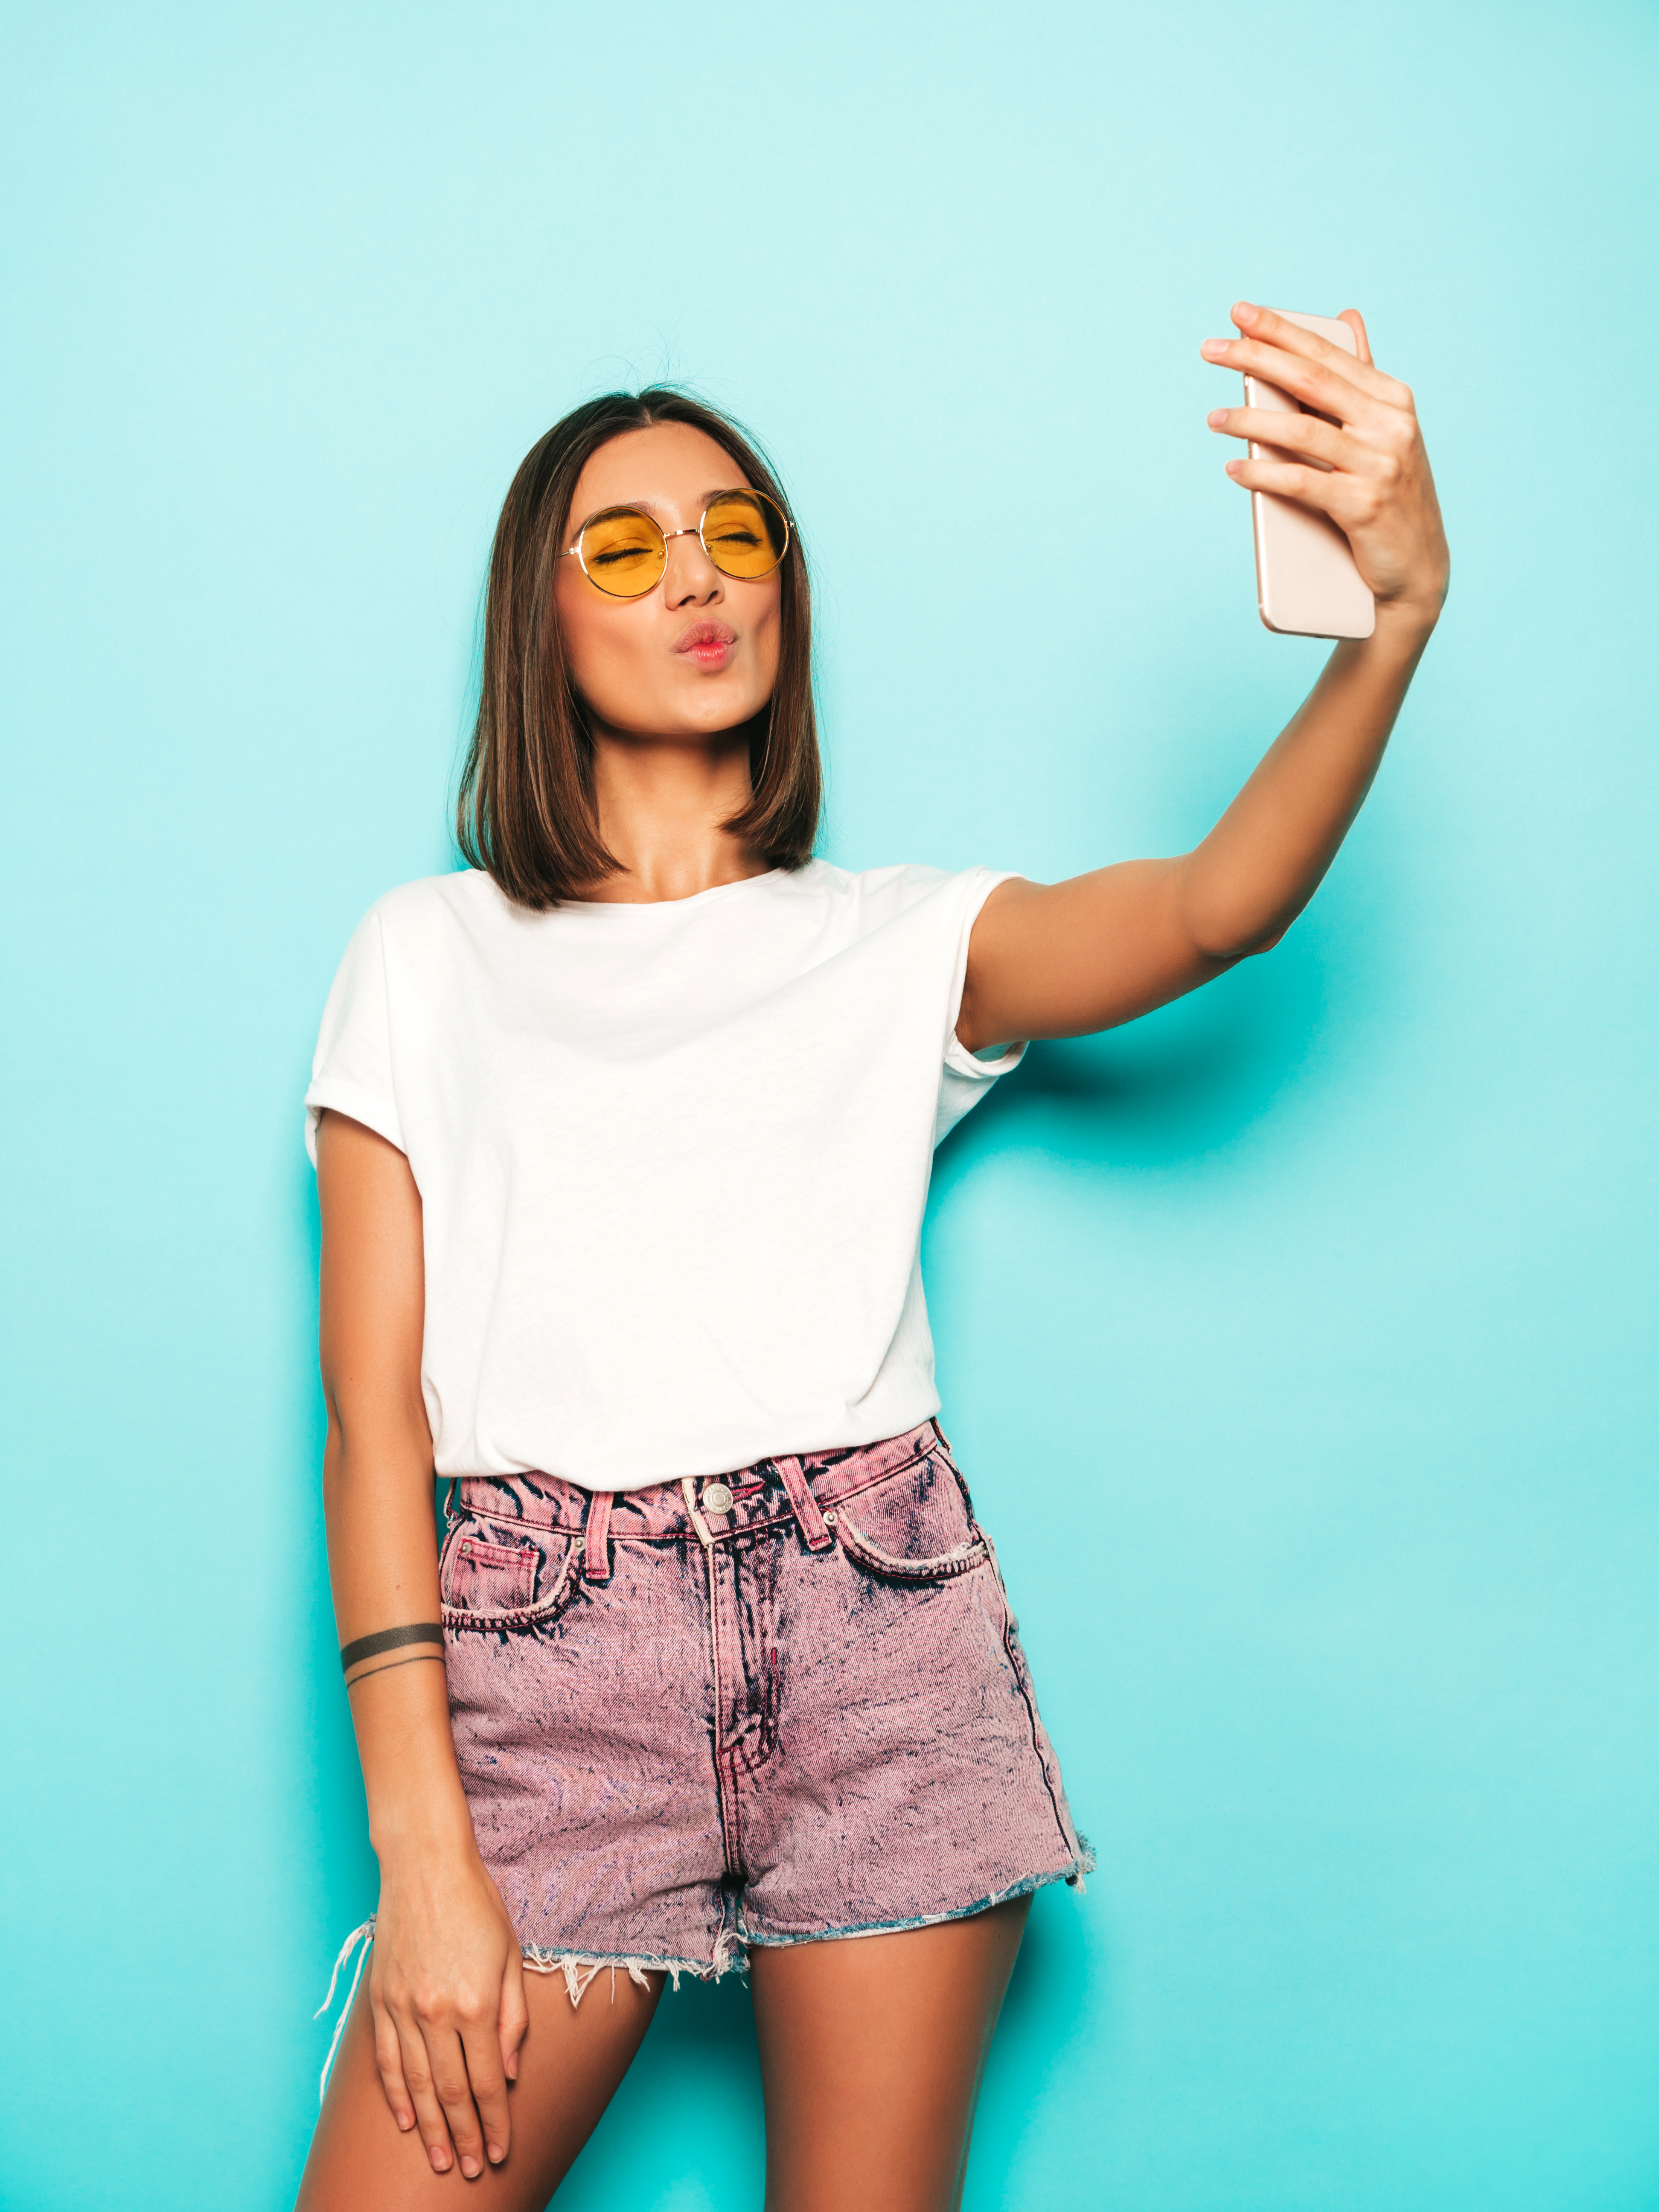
(1356, 323)
(1353, 507)
(1274, 338)
(388, 2059)
(1298, 433)
(1262, 324)
(1307, 487)
(514, 2020)
(488, 2078)
(429, 2110)
(454, 2090)
(1319, 385)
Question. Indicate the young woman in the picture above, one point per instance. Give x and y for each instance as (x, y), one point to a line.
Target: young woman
(622, 1140)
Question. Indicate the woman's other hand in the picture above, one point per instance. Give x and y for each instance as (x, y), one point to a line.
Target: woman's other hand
(1359, 456)
(447, 1980)
(446, 1986)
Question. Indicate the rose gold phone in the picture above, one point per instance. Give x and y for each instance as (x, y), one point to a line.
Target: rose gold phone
(1306, 583)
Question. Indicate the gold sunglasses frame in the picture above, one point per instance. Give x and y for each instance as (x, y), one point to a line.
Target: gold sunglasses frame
(695, 530)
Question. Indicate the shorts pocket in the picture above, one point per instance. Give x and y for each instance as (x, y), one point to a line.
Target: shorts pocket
(493, 1577)
(915, 1527)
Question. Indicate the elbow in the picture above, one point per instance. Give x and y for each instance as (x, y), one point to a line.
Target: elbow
(1232, 913)
(1222, 948)
(372, 1440)
(1264, 943)
(1223, 929)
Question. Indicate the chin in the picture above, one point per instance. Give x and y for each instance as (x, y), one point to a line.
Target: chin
(716, 717)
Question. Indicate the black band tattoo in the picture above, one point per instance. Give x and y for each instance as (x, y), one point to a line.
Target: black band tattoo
(389, 1640)
(420, 1659)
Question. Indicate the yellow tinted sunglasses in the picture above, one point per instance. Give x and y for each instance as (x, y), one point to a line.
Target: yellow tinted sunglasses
(625, 553)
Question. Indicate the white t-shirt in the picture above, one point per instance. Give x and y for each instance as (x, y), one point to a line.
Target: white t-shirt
(673, 1159)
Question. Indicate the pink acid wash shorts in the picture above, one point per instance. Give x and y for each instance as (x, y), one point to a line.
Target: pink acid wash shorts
(771, 1707)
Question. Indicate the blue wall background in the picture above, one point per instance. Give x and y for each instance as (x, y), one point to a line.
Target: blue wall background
(1298, 1341)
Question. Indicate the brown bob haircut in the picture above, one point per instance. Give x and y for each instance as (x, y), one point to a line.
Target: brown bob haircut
(525, 810)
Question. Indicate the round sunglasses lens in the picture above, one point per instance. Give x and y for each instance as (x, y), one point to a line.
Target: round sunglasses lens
(745, 533)
(622, 551)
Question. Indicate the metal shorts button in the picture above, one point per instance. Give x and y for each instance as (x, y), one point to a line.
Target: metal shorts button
(716, 1498)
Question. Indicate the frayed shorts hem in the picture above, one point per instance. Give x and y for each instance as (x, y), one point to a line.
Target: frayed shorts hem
(580, 1968)
(1072, 1874)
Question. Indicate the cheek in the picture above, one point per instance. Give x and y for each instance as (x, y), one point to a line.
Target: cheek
(605, 650)
(769, 636)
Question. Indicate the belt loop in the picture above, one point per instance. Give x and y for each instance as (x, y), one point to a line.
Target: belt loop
(813, 1526)
(451, 1516)
(595, 1551)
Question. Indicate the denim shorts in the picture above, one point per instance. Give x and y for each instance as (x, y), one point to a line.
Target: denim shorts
(768, 1708)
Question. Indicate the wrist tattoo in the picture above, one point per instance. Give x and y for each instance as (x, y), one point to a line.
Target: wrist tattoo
(389, 1640)
(419, 1659)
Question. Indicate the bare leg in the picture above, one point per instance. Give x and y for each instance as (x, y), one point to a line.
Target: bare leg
(569, 2065)
(872, 2049)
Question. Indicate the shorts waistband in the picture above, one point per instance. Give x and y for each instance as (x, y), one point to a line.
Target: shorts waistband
(759, 1495)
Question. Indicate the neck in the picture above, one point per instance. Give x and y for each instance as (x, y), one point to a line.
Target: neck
(661, 802)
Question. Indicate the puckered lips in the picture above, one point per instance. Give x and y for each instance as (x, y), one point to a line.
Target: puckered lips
(706, 644)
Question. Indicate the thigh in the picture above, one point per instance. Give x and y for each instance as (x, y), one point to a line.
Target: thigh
(872, 2049)
(569, 2065)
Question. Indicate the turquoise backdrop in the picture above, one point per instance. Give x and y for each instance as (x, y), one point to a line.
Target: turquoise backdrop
(1298, 1341)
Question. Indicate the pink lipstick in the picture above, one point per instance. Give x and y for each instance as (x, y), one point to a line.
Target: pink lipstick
(708, 644)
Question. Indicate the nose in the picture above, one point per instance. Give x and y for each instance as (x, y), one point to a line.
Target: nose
(691, 578)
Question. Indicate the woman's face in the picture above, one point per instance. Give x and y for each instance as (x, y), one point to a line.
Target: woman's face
(697, 654)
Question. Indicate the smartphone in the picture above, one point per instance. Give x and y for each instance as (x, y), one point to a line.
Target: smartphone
(1306, 584)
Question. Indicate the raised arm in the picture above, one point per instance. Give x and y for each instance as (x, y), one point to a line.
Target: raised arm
(1060, 959)
(446, 1979)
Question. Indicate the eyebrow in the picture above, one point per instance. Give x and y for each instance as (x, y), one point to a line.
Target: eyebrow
(653, 506)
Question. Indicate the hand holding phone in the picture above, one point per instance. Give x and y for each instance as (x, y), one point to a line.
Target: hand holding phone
(1344, 507)
(1306, 583)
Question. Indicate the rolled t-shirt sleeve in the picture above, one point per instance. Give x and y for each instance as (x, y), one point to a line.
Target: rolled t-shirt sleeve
(351, 1071)
(966, 1077)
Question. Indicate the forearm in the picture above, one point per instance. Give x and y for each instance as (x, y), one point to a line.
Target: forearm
(384, 1568)
(1062, 960)
(1241, 889)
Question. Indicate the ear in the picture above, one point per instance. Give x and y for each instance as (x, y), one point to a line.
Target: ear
(1356, 323)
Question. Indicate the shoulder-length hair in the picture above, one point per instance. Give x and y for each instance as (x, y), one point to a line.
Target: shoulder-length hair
(525, 810)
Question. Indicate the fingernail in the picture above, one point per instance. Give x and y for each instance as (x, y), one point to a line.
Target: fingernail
(1215, 347)
(496, 2153)
(1233, 467)
(470, 2167)
(1216, 417)
(405, 2121)
(512, 2068)
(1244, 313)
(439, 2158)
